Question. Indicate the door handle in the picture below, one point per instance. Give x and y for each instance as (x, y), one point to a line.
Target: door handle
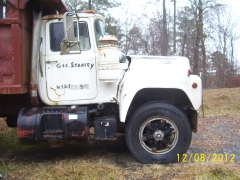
(48, 61)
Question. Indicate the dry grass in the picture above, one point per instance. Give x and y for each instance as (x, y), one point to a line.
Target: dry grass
(64, 169)
(100, 164)
(85, 169)
(221, 102)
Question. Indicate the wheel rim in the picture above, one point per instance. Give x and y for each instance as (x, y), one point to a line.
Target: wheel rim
(158, 135)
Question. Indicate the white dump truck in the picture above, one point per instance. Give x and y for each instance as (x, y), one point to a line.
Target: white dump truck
(73, 77)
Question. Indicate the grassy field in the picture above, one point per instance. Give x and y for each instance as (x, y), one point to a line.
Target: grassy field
(221, 102)
(114, 161)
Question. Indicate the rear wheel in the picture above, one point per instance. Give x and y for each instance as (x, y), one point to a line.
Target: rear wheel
(157, 132)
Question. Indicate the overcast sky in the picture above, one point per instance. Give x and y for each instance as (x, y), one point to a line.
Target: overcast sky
(138, 7)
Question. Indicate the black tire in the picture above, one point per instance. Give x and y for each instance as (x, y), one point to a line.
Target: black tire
(157, 132)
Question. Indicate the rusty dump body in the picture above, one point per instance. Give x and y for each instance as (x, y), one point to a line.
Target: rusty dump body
(16, 32)
(15, 42)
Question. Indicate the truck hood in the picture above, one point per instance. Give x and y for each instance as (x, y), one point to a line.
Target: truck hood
(165, 65)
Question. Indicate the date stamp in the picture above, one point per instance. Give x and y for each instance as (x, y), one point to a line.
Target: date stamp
(211, 157)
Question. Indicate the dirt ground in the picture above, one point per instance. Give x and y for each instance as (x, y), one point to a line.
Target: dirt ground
(216, 137)
(219, 135)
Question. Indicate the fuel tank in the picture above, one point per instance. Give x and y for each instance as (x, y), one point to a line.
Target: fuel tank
(52, 125)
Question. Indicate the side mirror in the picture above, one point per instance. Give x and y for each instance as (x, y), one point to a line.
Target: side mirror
(69, 37)
(68, 26)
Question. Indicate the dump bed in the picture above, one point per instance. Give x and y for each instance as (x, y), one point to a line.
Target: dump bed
(16, 40)
(13, 54)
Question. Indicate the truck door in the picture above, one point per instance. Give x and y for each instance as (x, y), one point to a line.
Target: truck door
(72, 76)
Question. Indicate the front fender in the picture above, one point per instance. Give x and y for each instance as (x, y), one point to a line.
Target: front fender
(141, 77)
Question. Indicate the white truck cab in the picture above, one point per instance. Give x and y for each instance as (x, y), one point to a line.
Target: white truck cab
(83, 76)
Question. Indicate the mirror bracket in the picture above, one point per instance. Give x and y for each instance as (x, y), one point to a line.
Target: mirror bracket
(66, 46)
(69, 37)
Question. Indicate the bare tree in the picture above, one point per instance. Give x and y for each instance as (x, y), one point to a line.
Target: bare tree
(165, 38)
(174, 26)
(225, 38)
(186, 34)
(200, 9)
(100, 7)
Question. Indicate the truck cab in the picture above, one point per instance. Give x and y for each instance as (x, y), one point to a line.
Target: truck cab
(91, 69)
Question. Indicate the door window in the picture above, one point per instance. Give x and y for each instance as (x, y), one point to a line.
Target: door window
(80, 32)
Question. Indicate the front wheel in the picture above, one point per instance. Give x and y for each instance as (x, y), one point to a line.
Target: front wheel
(157, 132)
